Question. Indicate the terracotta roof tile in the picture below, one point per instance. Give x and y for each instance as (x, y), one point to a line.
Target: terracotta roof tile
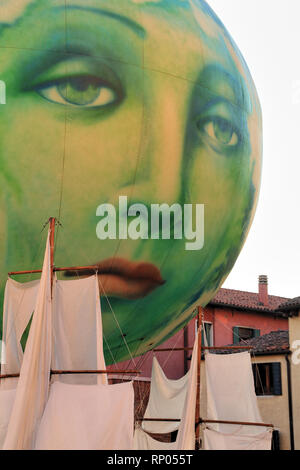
(270, 343)
(246, 300)
(291, 304)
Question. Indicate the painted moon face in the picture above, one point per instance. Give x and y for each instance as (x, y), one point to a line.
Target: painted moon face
(137, 125)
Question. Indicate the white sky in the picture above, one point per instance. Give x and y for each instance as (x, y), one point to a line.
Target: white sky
(267, 33)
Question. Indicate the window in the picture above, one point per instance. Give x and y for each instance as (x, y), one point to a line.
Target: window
(241, 333)
(208, 329)
(267, 378)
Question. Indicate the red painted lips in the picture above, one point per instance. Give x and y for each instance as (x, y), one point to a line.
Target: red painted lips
(119, 277)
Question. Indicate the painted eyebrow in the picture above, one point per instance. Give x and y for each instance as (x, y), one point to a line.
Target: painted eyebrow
(237, 86)
(135, 27)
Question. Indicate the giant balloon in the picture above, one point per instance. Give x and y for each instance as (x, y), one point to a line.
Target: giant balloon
(137, 125)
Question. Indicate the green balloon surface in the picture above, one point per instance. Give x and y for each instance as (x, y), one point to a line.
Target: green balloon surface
(137, 124)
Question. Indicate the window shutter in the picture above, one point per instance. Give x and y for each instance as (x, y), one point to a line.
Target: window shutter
(254, 371)
(275, 440)
(202, 339)
(236, 337)
(276, 372)
(256, 333)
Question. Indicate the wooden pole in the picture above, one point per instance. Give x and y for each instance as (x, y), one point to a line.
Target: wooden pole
(241, 423)
(70, 268)
(159, 419)
(197, 418)
(62, 372)
(52, 235)
(9, 376)
(217, 348)
(32, 271)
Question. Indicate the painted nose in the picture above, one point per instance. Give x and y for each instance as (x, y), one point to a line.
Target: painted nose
(161, 156)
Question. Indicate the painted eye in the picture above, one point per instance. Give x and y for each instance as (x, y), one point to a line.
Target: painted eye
(81, 91)
(221, 131)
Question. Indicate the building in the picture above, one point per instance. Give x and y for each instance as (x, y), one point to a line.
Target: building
(234, 315)
(270, 325)
(271, 364)
(292, 309)
(231, 316)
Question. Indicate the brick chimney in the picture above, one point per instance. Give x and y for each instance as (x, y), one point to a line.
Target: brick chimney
(263, 297)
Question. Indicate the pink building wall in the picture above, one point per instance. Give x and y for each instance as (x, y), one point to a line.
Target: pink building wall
(224, 319)
(175, 363)
(172, 362)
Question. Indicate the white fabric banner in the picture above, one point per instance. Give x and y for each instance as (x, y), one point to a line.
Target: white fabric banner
(19, 304)
(166, 400)
(77, 330)
(33, 384)
(231, 393)
(214, 440)
(142, 441)
(97, 416)
(88, 417)
(7, 399)
(186, 431)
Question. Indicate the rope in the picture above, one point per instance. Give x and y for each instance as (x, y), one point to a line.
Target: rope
(64, 143)
(117, 322)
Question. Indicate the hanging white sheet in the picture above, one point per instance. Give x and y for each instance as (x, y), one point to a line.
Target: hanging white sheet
(77, 330)
(231, 397)
(83, 412)
(19, 304)
(7, 399)
(186, 432)
(231, 393)
(76, 416)
(33, 384)
(214, 440)
(166, 400)
(88, 417)
(142, 441)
